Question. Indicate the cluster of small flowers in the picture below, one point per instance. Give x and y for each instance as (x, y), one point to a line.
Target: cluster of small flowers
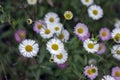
(94, 11)
(49, 28)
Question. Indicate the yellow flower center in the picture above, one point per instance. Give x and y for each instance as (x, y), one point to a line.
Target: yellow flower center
(104, 34)
(55, 46)
(89, 72)
(68, 15)
(118, 52)
(86, 0)
(93, 70)
(39, 26)
(80, 30)
(57, 28)
(100, 48)
(28, 48)
(95, 12)
(51, 19)
(117, 37)
(117, 74)
(47, 31)
(59, 56)
(22, 35)
(91, 45)
(61, 36)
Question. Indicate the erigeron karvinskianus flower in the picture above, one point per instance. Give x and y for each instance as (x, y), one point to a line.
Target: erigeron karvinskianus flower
(116, 35)
(116, 51)
(55, 46)
(87, 2)
(51, 17)
(28, 48)
(91, 46)
(68, 15)
(32, 2)
(101, 49)
(116, 72)
(95, 12)
(91, 72)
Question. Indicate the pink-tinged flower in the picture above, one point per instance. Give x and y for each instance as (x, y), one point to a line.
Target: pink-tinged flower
(91, 72)
(83, 38)
(38, 25)
(116, 72)
(101, 49)
(81, 30)
(104, 34)
(20, 35)
(63, 66)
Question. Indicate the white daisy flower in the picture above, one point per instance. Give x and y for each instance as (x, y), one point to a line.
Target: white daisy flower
(55, 46)
(61, 57)
(90, 46)
(116, 51)
(64, 35)
(116, 35)
(95, 12)
(87, 2)
(117, 24)
(46, 33)
(57, 27)
(32, 2)
(51, 17)
(28, 48)
(108, 77)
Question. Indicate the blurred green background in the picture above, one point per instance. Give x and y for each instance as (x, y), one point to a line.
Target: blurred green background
(13, 16)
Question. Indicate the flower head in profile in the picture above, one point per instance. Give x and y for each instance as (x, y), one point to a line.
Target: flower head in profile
(116, 51)
(91, 72)
(102, 48)
(32, 2)
(68, 15)
(83, 38)
(108, 77)
(116, 72)
(20, 35)
(87, 2)
(63, 66)
(117, 24)
(28, 48)
(104, 34)
(95, 12)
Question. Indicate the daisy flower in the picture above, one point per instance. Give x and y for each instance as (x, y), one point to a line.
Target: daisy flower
(116, 35)
(108, 77)
(46, 33)
(91, 72)
(20, 35)
(116, 51)
(55, 46)
(61, 57)
(81, 30)
(87, 2)
(101, 49)
(38, 26)
(90, 46)
(32, 2)
(117, 24)
(28, 48)
(95, 12)
(104, 34)
(116, 72)
(64, 35)
(68, 15)
(57, 27)
(51, 17)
